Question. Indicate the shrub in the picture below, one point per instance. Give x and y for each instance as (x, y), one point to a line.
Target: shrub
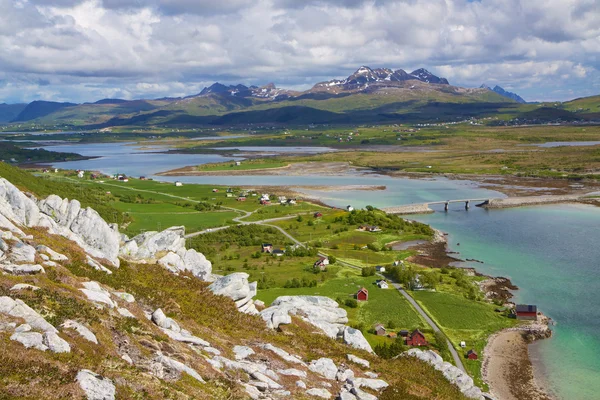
(351, 303)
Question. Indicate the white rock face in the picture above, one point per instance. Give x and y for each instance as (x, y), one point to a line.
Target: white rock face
(17, 308)
(95, 386)
(322, 312)
(451, 373)
(81, 329)
(22, 253)
(125, 312)
(55, 343)
(373, 384)
(95, 293)
(358, 360)
(236, 287)
(283, 354)
(167, 248)
(324, 367)
(242, 352)
(22, 269)
(63, 217)
(317, 392)
(24, 286)
(54, 256)
(30, 340)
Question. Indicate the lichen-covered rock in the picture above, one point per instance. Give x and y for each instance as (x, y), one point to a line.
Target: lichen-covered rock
(373, 384)
(322, 312)
(22, 253)
(318, 392)
(125, 312)
(17, 308)
(242, 352)
(355, 338)
(54, 256)
(236, 287)
(324, 367)
(30, 339)
(22, 269)
(81, 329)
(97, 294)
(358, 360)
(24, 286)
(125, 296)
(55, 343)
(180, 367)
(95, 386)
(96, 265)
(283, 354)
(362, 395)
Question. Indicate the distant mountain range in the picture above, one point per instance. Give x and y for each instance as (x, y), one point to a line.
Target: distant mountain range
(369, 95)
(505, 93)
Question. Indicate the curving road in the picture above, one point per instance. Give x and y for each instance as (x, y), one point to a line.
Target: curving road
(434, 326)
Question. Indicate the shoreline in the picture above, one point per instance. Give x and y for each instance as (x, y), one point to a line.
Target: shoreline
(507, 367)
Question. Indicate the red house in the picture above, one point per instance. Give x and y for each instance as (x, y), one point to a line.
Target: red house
(471, 355)
(526, 312)
(362, 295)
(317, 215)
(416, 339)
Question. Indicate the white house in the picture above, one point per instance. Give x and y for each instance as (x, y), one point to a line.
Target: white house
(350, 208)
(178, 183)
(80, 174)
(380, 268)
(383, 284)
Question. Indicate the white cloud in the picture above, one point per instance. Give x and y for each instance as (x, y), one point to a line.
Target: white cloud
(178, 44)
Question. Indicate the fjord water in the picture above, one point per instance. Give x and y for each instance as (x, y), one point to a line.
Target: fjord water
(550, 252)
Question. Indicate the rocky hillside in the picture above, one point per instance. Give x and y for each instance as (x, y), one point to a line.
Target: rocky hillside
(86, 312)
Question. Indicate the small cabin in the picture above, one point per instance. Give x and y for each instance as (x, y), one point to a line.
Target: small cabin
(380, 268)
(350, 208)
(404, 333)
(241, 198)
(321, 263)
(472, 355)
(265, 202)
(238, 163)
(362, 295)
(267, 248)
(383, 284)
(526, 312)
(178, 183)
(380, 330)
(416, 338)
(392, 335)
(317, 215)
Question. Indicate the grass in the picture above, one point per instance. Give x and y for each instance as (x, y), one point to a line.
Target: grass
(384, 305)
(246, 165)
(463, 320)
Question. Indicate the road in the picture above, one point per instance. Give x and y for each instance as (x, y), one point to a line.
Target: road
(431, 323)
(455, 355)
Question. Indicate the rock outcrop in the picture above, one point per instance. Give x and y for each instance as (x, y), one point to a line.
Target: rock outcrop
(95, 386)
(451, 373)
(167, 248)
(322, 312)
(236, 287)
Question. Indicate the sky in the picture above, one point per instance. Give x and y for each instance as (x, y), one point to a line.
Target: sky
(85, 50)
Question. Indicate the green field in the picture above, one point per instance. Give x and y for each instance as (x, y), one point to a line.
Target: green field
(383, 306)
(246, 165)
(464, 320)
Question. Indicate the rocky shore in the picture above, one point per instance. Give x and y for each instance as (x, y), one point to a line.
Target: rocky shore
(531, 201)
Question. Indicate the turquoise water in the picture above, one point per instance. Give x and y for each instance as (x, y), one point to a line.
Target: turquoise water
(551, 252)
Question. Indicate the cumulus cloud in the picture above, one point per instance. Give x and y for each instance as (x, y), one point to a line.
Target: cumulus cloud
(82, 49)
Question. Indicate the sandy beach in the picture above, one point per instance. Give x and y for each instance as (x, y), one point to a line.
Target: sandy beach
(508, 370)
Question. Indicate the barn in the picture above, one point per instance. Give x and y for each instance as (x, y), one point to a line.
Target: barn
(472, 355)
(526, 312)
(362, 295)
(416, 338)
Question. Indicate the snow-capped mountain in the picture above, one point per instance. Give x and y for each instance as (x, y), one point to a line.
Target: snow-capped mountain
(269, 91)
(365, 76)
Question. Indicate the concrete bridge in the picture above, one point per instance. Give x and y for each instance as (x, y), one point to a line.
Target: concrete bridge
(423, 208)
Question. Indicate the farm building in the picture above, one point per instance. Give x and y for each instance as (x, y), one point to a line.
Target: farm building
(265, 202)
(526, 312)
(404, 333)
(416, 338)
(321, 263)
(392, 335)
(241, 198)
(317, 215)
(178, 183)
(278, 252)
(267, 248)
(380, 268)
(369, 228)
(472, 355)
(382, 284)
(362, 295)
(380, 330)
